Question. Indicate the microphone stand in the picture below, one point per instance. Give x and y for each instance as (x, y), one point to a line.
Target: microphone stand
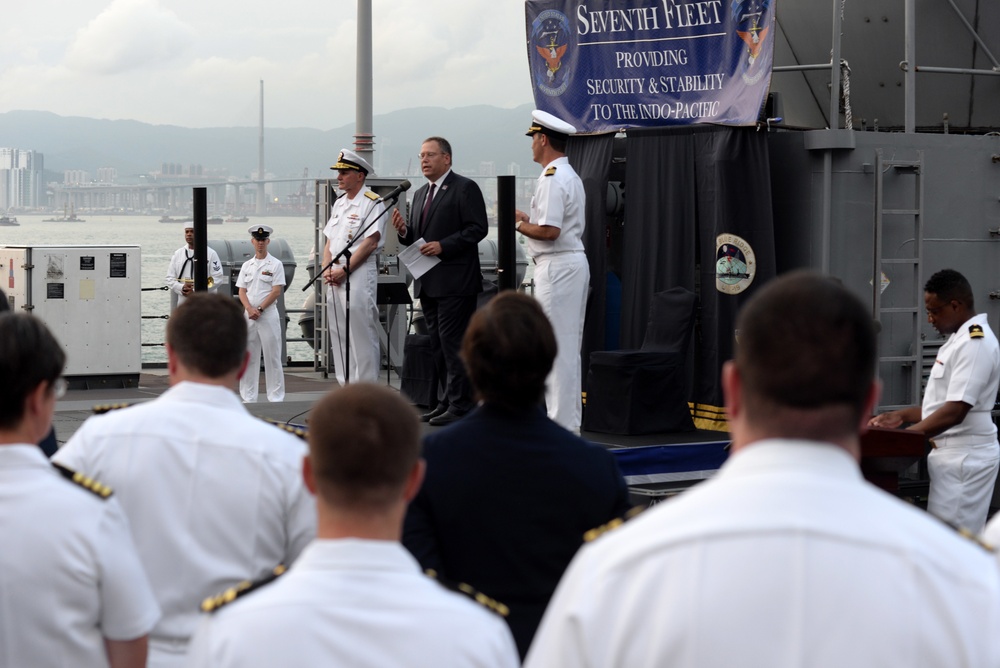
(345, 252)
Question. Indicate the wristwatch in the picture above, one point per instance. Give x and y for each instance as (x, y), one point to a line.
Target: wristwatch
(261, 308)
(517, 225)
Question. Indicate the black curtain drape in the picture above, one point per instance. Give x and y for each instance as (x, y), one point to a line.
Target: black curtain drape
(591, 158)
(685, 189)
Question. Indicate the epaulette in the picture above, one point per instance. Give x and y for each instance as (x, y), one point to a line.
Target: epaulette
(88, 483)
(967, 534)
(374, 196)
(101, 409)
(976, 332)
(467, 590)
(596, 533)
(550, 171)
(213, 603)
(293, 429)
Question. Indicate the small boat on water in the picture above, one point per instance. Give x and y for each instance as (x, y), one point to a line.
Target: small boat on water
(214, 220)
(237, 219)
(69, 216)
(8, 221)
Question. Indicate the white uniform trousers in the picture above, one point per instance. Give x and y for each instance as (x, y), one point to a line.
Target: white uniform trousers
(561, 284)
(264, 334)
(364, 343)
(962, 479)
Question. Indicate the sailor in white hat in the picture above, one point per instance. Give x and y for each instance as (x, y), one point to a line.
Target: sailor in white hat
(554, 230)
(356, 207)
(261, 282)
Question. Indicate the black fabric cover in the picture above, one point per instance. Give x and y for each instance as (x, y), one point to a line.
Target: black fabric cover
(591, 158)
(419, 379)
(671, 315)
(645, 391)
(636, 392)
(686, 186)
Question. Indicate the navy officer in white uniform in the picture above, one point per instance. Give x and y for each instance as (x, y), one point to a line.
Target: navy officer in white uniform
(180, 273)
(554, 229)
(72, 589)
(956, 411)
(355, 209)
(261, 281)
(787, 557)
(214, 495)
(356, 597)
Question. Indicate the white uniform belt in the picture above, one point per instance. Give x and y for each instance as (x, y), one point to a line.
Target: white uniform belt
(544, 256)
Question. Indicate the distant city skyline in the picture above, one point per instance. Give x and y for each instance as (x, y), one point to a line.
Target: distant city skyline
(486, 141)
(194, 64)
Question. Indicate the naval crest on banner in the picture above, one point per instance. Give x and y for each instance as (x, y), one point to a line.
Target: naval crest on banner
(735, 264)
(550, 40)
(752, 26)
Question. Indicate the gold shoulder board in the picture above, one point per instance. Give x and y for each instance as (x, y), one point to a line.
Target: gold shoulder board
(213, 603)
(976, 332)
(597, 532)
(293, 429)
(550, 171)
(100, 409)
(93, 486)
(468, 591)
(371, 195)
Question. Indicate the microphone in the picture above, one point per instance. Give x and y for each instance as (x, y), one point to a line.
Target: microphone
(396, 192)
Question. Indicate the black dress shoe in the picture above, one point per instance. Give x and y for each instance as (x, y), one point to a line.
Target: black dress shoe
(445, 418)
(427, 417)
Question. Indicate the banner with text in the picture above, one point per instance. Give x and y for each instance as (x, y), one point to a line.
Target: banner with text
(605, 65)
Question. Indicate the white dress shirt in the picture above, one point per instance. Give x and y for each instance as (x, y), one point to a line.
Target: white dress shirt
(787, 558)
(357, 603)
(214, 495)
(69, 572)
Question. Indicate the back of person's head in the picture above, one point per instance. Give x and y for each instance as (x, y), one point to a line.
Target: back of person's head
(805, 346)
(949, 285)
(208, 334)
(364, 441)
(4, 304)
(29, 356)
(508, 350)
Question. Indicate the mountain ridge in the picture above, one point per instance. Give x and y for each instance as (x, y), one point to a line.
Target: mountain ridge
(478, 134)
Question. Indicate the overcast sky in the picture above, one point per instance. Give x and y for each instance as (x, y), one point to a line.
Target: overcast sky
(198, 63)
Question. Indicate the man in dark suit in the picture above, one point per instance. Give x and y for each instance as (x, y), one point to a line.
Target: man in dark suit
(509, 494)
(448, 217)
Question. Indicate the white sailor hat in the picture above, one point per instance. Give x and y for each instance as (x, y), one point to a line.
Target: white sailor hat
(348, 159)
(259, 232)
(546, 123)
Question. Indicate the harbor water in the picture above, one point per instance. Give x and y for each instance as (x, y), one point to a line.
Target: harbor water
(157, 242)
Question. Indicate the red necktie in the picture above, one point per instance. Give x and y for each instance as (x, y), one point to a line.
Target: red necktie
(427, 207)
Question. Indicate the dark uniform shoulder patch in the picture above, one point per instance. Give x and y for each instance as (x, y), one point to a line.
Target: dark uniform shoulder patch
(213, 603)
(101, 409)
(550, 171)
(291, 428)
(372, 195)
(88, 483)
(597, 532)
(467, 590)
(976, 332)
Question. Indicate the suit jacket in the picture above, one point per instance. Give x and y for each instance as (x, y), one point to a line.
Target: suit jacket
(457, 219)
(505, 504)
